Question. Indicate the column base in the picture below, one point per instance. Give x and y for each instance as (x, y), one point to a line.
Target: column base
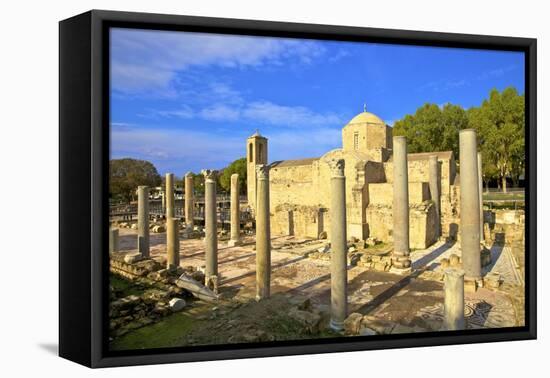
(261, 298)
(401, 271)
(472, 284)
(336, 326)
(234, 243)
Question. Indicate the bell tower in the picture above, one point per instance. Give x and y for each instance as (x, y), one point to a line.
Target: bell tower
(256, 153)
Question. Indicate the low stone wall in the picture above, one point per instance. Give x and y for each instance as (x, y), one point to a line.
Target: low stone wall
(382, 193)
(422, 219)
(504, 226)
(160, 295)
(304, 221)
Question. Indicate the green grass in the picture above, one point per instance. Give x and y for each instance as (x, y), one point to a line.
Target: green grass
(503, 196)
(125, 286)
(166, 333)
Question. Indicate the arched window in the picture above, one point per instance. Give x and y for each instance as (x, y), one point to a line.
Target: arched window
(260, 154)
(250, 151)
(356, 140)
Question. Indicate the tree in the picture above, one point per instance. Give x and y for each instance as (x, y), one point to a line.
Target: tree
(500, 123)
(239, 167)
(127, 174)
(433, 128)
(198, 183)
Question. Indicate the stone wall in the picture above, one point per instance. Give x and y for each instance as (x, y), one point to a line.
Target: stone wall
(305, 221)
(505, 226)
(422, 219)
(292, 185)
(382, 194)
(369, 136)
(300, 193)
(419, 170)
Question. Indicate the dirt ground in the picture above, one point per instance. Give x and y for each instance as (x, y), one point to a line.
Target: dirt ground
(414, 302)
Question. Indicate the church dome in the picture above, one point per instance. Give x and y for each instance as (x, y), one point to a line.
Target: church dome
(366, 117)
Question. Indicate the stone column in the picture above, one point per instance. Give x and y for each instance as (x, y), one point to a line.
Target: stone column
(211, 225)
(338, 251)
(469, 205)
(189, 201)
(401, 252)
(454, 300)
(263, 233)
(434, 190)
(113, 240)
(235, 212)
(143, 221)
(169, 195)
(172, 243)
(480, 179)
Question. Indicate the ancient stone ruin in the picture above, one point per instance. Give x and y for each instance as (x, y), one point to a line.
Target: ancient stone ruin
(367, 239)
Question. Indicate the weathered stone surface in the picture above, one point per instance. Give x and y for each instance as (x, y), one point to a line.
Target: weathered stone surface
(309, 320)
(454, 260)
(469, 204)
(492, 280)
(338, 260)
(352, 324)
(176, 304)
(263, 234)
(367, 332)
(454, 300)
(158, 229)
(196, 288)
(132, 258)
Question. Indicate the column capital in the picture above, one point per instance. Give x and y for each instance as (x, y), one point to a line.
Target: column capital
(454, 272)
(142, 188)
(336, 167)
(262, 170)
(208, 174)
(467, 131)
(235, 176)
(189, 174)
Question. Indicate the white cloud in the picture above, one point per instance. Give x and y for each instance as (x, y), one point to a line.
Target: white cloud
(292, 116)
(257, 112)
(496, 72)
(180, 150)
(220, 113)
(301, 143)
(185, 112)
(148, 60)
(188, 149)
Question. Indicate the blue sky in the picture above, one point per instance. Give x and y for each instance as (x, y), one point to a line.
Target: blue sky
(188, 101)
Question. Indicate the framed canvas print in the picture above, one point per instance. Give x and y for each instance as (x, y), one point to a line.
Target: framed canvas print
(234, 188)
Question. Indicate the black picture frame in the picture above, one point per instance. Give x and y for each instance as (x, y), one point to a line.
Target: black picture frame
(83, 181)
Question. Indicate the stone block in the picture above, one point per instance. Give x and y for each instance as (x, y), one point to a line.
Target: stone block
(176, 304)
(470, 286)
(454, 260)
(234, 243)
(132, 258)
(352, 324)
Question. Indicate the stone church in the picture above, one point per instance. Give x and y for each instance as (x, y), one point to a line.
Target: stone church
(300, 189)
